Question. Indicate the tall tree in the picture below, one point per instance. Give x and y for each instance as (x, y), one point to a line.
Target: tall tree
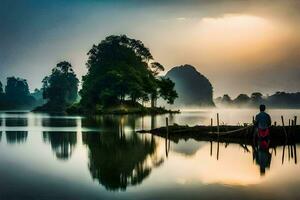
(61, 86)
(119, 68)
(17, 95)
(166, 90)
(16, 88)
(1, 88)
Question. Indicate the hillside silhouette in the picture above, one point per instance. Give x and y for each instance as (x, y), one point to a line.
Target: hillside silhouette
(193, 88)
(277, 100)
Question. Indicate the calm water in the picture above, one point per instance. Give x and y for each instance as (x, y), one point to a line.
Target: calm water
(57, 157)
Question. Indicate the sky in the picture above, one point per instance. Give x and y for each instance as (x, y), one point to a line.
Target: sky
(242, 46)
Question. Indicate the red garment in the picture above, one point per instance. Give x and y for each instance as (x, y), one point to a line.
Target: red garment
(263, 132)
(264, 144)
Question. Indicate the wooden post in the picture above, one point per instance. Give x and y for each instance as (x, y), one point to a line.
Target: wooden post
(211, 125)
(211, 148)
(295, 153)
(282, 120)
(282, 160)
(275, 123)
(218, 149)
(289, 154)
(295, 121)
(292, 151)
(253, 119)
(292, 129)
(218, 121)
(167, 136)
(167, 126)
(289, 122)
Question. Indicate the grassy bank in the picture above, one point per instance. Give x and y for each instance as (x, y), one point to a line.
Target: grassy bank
(119, 109)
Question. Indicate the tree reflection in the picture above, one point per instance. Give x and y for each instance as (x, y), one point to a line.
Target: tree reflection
(13, 122)
(59, 122)
(118, 159)
(62, 143)
(13, 137)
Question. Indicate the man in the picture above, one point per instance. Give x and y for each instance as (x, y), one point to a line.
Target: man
(262, 123)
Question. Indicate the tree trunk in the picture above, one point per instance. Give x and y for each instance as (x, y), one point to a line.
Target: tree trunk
(153, 101)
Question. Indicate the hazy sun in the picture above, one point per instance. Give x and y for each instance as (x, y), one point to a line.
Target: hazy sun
(238, 37)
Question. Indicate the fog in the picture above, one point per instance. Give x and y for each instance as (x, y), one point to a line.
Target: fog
(241, 46)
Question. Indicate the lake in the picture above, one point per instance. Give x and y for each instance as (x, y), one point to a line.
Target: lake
(74, 157)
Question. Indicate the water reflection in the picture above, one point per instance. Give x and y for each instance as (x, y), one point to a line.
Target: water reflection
(13, 137)
(14, 122)
(263, 157)
(59, 122)
(109, 153)
(62, 143)
(120, 158)
(291, 151)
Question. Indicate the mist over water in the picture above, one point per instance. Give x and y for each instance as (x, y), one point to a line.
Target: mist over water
(103, 157)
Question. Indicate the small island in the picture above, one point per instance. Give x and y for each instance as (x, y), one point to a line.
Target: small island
(122, 78)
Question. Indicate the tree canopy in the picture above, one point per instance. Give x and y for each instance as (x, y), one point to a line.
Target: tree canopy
(61, 86)
(120, 69)
(118, 160)
(16, 94)
(16, 88)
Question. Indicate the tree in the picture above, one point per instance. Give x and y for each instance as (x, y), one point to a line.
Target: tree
(1, 88)
(166, 90)
(119, 69)
(16, 88)
(60, 88)
(17, 94)
(62, 143)
(256, 98)
(242, 99)
(117, 160)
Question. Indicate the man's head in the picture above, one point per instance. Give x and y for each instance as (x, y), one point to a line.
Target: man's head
(262, 108)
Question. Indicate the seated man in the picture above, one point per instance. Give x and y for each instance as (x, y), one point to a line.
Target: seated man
(263, 122)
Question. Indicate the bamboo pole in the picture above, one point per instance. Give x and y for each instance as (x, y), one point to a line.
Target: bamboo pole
(218, 150)
(283, 155)
(167, 136)
(289, 152)
(166, 147)
(211, 124)
(218, 123)
(211, 148)
(295, 153)
(282, 120)
(167, 126)
(292, 131)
